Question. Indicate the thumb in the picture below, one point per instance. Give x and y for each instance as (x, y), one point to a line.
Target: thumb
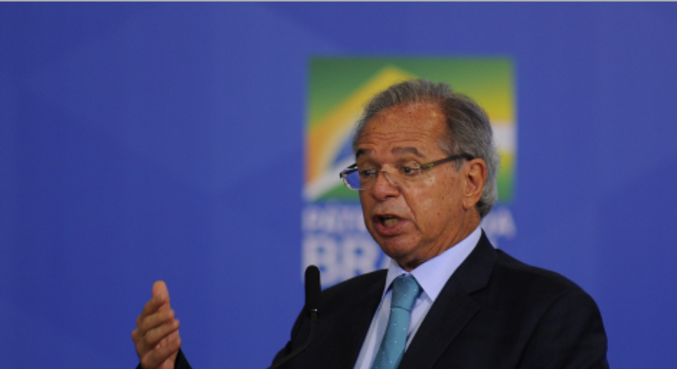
(161, 293)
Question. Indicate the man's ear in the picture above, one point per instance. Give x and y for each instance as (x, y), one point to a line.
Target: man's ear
(475, 177)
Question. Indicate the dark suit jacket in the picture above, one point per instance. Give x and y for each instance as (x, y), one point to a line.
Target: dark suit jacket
(494, 312)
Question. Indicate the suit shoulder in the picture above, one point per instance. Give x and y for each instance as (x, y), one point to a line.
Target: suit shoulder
(530, 280)
(361, 284)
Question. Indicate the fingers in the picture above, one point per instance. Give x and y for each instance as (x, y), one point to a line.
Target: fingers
(157, 338)
(167, 349)
(149, 322)
(154, 355)
(151, 307)
(160, 291)
(158, 328)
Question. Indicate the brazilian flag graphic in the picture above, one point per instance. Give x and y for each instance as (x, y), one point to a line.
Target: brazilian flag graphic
(340, 87)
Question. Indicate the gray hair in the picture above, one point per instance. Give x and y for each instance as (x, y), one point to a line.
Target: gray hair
(467, 123)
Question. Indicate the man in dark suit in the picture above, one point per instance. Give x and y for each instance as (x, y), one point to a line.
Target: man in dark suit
(426, 175)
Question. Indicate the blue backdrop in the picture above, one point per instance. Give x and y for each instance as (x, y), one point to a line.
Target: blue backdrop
(166, 141)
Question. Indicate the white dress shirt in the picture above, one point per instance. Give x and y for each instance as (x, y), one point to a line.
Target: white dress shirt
(431, 276)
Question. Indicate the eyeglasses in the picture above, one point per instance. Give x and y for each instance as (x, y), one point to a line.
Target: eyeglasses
(403, 175)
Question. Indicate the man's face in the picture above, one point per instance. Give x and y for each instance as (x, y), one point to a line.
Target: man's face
(416, 222)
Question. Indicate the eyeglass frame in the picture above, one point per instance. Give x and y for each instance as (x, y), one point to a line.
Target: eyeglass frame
(353, 168)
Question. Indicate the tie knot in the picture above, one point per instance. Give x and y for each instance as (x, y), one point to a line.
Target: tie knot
(405, 292)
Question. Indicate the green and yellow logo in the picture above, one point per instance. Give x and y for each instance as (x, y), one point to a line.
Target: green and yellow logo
(340, 87)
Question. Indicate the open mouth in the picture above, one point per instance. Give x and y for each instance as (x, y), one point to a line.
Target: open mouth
(388, 220)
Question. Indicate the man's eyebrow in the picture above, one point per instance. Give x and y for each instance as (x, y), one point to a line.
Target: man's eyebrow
(397, 150)
(407, 150)
(362, 152)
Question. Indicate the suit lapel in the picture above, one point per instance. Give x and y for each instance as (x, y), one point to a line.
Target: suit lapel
(452, 309)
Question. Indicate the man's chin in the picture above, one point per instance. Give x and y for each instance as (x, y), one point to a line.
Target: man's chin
(396, 249)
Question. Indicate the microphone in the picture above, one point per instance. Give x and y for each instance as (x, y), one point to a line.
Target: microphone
(313, 291)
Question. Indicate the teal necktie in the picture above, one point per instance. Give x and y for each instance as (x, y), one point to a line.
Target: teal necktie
(405, 292)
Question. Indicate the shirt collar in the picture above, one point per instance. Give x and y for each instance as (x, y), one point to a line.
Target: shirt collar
(434, 273)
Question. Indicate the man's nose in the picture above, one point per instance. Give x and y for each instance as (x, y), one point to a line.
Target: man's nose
(384, 186)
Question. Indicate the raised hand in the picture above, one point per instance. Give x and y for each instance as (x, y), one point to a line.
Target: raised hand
(156, 336)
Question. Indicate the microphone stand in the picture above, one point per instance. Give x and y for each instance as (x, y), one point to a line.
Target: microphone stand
(313, 322)
(313, 290)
